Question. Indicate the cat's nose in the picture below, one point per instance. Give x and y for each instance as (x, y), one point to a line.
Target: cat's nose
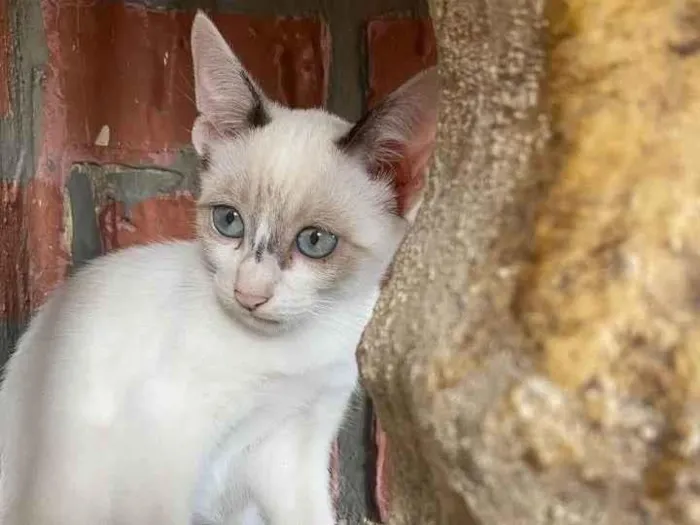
(250, 301)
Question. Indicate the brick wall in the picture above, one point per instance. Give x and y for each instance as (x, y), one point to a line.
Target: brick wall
(95, 113)
(4, 58)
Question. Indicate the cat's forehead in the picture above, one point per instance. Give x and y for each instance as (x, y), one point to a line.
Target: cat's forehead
(296, 150)
(291, 172)
(293, 158)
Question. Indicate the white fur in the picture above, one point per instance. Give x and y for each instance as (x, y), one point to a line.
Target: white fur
(132, 391)
(143, 393)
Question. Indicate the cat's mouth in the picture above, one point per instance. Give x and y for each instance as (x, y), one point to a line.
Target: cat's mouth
(265, 320)
(254, 320)
(257, 321)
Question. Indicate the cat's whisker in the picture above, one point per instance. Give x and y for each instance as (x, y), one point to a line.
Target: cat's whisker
(186, 95)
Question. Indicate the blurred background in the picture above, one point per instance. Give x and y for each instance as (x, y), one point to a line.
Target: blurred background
(96, 104)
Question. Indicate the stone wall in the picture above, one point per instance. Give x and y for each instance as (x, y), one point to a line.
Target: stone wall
(535, 357)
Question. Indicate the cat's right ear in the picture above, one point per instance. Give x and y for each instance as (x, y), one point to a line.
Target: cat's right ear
(228, 100)
(395, 139)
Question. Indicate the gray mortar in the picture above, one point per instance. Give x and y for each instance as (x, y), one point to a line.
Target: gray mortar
(19, 132)
(19, 137)
(91, 185)
(9, 334)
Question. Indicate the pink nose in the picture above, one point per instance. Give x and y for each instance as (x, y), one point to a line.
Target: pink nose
(250, 301)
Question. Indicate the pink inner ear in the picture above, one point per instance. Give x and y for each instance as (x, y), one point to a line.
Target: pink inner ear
(411, 168)
(409, 181)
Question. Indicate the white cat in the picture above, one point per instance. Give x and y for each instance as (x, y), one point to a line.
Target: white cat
(203, 382)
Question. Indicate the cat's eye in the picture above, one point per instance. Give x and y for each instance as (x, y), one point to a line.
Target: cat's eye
(316, 243)
(227, 221)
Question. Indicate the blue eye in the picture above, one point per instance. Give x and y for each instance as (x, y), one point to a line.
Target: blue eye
(316, 243)
(227, 221)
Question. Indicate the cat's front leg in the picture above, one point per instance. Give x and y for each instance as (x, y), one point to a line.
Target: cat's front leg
(288, 474)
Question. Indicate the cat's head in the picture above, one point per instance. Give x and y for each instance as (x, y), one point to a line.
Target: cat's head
(300, 210)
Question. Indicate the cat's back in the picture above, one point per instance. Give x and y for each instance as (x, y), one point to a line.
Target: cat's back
(128, 282)
(103, 317)
(83, 365)
(142, 273)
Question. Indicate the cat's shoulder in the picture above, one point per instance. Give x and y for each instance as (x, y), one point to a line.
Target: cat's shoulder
(136, 273)
(156, 258)
(134, 285)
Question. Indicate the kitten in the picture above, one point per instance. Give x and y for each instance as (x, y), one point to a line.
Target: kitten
(203, 382)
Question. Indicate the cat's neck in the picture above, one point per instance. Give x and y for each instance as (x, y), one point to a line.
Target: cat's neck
(327, 338)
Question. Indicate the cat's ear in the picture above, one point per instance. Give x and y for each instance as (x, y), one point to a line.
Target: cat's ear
(396, 138)
(228, 100)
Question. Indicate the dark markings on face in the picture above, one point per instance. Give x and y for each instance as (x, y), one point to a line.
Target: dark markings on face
(257, 116)
(282, 253)
(282, 224)
(277, 231)
(273, 243)
(363, 134)
(204, 160)
(259, 249)
(356, 134)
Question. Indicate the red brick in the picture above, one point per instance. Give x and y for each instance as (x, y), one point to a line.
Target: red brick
(381, 483)
(158, 219)
(47, 243)
(398, 48)
(288, 56)
(130, 68)
(5, 44)
(14, 298)
(335, 472)
(33, 258)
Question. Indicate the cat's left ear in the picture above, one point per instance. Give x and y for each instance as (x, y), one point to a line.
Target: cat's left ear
(228, 100)
(397, 137)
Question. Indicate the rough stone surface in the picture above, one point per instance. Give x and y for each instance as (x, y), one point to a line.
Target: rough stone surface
(442, 354)
(397, 49)
(535, 357)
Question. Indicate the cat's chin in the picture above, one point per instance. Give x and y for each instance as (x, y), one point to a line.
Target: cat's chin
(256, 323)
(259, 324)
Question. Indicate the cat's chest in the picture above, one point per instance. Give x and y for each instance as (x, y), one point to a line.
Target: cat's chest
(260, 401)
(271, 401)
(237, 383)
(314, 401)
(228, 385)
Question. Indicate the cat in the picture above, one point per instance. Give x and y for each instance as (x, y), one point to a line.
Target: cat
(203, 382)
